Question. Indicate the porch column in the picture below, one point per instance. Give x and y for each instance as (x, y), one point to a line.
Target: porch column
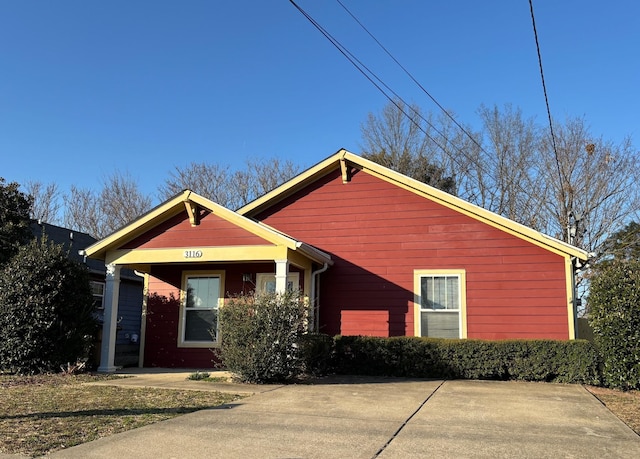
(110, 324)
(282, 271)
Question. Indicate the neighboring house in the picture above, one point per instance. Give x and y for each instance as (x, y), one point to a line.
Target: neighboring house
(127, 347)
(377, 253)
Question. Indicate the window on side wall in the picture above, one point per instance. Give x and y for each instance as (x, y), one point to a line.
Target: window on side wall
(202, 295)
(97, 290)
(440, 303)
(266, 282)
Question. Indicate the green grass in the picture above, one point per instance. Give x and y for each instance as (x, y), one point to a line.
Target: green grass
(41, 414)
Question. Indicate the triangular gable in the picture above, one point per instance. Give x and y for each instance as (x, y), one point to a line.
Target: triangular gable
(190, 201)
(345, 160)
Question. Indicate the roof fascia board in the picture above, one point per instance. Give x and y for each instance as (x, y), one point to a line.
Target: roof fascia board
(338, 160)
(290, 187)
(191, 200)
(145, 222)
(245, 223)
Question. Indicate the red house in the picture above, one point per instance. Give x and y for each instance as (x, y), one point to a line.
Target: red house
(375, 252)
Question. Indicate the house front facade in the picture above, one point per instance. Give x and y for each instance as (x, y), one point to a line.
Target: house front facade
(374, 252)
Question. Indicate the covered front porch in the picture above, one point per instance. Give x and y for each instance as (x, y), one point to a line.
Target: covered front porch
(193, 255)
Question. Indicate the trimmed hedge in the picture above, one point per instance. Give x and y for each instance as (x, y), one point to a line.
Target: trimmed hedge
(526, 360)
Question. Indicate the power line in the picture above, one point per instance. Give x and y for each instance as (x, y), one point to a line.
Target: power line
(410, 75)
(544, 89)
(361, 68)
(423, 89)
(370, 75)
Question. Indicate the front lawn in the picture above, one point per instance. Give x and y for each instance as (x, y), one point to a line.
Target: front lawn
(625, 405)
(40, 414)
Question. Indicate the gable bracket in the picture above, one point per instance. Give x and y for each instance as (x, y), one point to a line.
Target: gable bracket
(346, 173)
(192, 210)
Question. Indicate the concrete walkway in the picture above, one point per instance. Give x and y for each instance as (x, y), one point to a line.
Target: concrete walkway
(356, 417)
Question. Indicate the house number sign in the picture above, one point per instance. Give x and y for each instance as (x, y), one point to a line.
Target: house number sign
(193, 253)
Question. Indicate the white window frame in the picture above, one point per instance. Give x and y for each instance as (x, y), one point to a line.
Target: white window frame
(293, 280)
(186, 275)
(98, 295)
(418, 274)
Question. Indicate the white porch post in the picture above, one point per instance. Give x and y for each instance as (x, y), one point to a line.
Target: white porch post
(108, 345)
(282, 271)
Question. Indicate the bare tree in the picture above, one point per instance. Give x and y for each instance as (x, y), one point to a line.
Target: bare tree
(118, 203)
(591, 185)
(229, 189)
(46, 201)
(208, 180)
(121, 201)
(82, 211)
(505, 172)
(582, 195)
(263, 175)
(402, 139)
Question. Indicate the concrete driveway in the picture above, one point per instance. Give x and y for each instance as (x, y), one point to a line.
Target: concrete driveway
(356, 417)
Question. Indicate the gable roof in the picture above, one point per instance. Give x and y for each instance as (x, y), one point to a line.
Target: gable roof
(189, 200)
(344, 159)
(72, 241)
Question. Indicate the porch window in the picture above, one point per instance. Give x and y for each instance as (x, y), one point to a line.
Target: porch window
(440, 299)
(201, 298)
(266, 282)
(97, 290)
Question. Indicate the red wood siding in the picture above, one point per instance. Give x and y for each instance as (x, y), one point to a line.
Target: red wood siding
(210, 232)
(163, 311)
(378, 234)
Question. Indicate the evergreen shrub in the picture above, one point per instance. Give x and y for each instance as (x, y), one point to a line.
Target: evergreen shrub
(46, 310)
(614, 315)
(261, 336)
(527, 360)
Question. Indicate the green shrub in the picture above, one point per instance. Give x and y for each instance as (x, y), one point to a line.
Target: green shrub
(317, 352)
(46, 310)
(614, 315)
(527, 360)
(261, 336)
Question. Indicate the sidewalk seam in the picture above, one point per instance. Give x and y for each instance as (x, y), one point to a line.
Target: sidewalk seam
(406, 421)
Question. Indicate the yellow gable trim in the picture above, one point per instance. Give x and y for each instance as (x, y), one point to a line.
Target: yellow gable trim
(453, 202)
(144, 223)
(293, 185)
(192, 200)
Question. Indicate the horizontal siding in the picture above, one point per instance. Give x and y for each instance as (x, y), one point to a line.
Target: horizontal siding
(212, 231)
(370, 323)
(378, 234)
(163, 309)
(130, 310)
(161, 337)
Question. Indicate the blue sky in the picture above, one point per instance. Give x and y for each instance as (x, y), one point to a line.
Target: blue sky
(88, 87)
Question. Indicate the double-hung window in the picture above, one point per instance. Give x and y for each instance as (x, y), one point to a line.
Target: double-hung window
(202, 295)
(97, 290)
(440, 303)
(266, 282)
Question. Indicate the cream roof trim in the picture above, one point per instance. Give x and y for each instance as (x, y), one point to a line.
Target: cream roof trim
(176, 205)
(333, 162)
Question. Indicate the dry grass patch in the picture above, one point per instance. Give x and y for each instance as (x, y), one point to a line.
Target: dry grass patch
(40, 414)
(625, 405)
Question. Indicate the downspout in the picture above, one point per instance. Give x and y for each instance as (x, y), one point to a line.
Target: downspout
(574, 292)
(315, 296)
